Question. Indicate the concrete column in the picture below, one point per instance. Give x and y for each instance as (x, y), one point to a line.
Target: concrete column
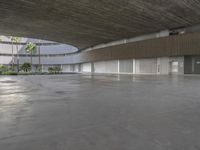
(134, 66)
(158, 65)
(92, 67)
(118, 66)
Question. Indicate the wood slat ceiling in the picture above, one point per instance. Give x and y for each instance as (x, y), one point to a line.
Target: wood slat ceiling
(85, 23)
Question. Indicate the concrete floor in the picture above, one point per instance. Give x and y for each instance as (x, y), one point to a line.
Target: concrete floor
(77, 112)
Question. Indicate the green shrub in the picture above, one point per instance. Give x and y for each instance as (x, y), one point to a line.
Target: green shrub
(54, 69)
(6, 70)
(26, 67)
(3, 69)
(57, 69)
(10, 73)
(51, 70)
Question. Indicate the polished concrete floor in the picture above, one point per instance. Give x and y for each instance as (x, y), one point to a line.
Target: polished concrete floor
(80, 112)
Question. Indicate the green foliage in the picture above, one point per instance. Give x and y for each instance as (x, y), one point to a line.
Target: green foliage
(57, 69)
(31, 48)
(16, 39)
(51, 70)
(13, 39)
(10, 73)
(6, 70)
(25, 73)
(3, 69)
(54, 69)
(26, 67)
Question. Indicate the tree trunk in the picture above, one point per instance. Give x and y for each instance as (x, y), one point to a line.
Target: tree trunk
(31, 60)
(12, 57)
(39, 56)
(17, 59)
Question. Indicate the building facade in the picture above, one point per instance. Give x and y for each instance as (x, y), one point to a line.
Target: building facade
(175, 51)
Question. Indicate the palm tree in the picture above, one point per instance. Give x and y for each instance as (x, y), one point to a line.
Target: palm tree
(39, 45)
(31, 48)
(14, 40)
(17, 40)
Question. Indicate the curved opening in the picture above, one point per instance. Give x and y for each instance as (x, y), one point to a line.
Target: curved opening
(8, 45)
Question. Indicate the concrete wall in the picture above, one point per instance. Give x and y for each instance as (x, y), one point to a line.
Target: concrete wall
(163, 66)
(71, 59)
(140, 47)
(124, 58)
(86, 67)
(154, 66)
(146, 66)
(5, 59)
(106, 67)
(169, 46)
(66, 68)
(45, 68)
(76, 68)
(126, 66)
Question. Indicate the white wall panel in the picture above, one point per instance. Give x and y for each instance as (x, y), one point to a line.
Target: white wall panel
(45, 68)
(86, 67)
(111, 66)
(100, 67)
(5, 59)
(66, 68)
(134, 66)
(163, 65)
(126, 66)
(146, 66)
(106, 67)
(76, 68)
